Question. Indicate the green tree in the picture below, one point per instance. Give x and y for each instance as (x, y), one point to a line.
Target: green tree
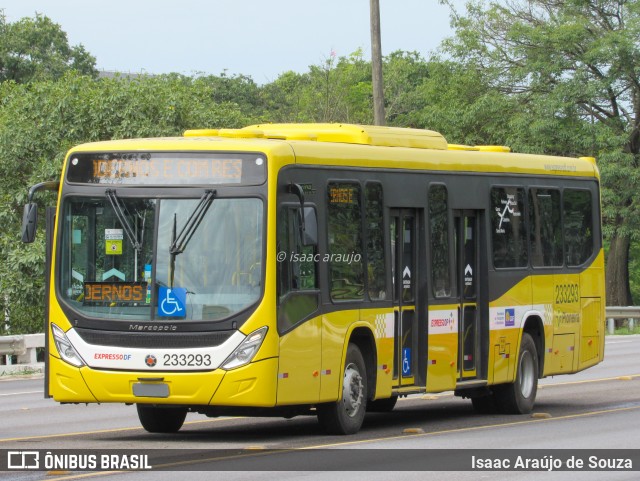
(337, 90)
(40, 121)
(572, 66)
(38, 49)
(404, 73)
(284, 98)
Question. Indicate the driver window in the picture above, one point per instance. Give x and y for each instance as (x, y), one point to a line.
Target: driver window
(297, 271)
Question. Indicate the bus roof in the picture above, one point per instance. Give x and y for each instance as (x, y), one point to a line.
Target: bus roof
(316, 144)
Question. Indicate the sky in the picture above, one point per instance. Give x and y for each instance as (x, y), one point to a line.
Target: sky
(261, 39)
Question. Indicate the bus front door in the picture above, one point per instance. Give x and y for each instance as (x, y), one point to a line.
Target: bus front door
(404, 241)
(467, 235)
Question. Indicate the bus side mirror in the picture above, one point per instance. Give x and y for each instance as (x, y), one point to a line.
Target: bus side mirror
(309, 227)
(29, 222)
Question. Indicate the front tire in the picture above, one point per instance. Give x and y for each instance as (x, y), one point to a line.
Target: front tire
(520, 396)
(345, 416)
(161, 420)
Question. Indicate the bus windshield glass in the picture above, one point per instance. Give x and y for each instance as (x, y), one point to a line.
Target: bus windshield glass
(111, 269)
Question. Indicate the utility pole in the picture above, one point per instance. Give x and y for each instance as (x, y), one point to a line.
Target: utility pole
(376, 64)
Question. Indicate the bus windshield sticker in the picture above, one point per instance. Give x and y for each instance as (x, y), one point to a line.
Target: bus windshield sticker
(112, 294)
(172, 302)
(147, 279)
(406, 362)
(113, 241)
(510, 209)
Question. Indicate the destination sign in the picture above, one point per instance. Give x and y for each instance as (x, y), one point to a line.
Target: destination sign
(342, 195)
(155, 168)
(114, 293)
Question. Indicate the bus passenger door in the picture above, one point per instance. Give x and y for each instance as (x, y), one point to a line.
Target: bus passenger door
(404, 241)
(467, 230)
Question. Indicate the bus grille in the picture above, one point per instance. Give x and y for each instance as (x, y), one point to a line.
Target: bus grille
(171, 340)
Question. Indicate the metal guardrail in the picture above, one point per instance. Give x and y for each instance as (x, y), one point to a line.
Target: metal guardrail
(621, 312)
(24, 346)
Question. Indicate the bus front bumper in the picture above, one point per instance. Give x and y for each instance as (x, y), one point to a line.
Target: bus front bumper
(251, 385)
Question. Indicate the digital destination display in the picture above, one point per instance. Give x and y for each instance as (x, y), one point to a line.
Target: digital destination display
(114, 293)
(157, 168)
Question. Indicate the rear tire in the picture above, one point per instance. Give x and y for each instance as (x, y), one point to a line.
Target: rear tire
(520, 396)
(161, 420)
(345, 416)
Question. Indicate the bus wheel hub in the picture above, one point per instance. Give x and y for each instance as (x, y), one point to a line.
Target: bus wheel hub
(352, 390)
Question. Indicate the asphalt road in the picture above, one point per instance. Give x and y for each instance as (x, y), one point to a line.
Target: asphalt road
(596, 409)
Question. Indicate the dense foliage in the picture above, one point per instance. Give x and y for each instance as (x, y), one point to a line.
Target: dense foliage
(40, 121)
(572, 69)
(541, 76)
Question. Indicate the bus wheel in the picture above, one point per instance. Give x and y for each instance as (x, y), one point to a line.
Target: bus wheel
(345, 416)
(161, 420)
(382, 405)
(519, 397)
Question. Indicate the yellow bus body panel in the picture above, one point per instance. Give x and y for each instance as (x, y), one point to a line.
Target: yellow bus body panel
(66, 383)
(184, 387)
(442, 351)
(312, 355)
(250, 385)
(381, 322)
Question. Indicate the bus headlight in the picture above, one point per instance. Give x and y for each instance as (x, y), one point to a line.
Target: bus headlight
(247, 349)
(65, 348)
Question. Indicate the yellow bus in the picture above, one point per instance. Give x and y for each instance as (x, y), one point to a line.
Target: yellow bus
(324, 269)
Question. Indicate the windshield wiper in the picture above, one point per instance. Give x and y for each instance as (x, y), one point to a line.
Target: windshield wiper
(179, 243)
(126, 225)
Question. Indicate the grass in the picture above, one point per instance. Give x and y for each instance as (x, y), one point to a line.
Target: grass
(18, 373)
(625, 330)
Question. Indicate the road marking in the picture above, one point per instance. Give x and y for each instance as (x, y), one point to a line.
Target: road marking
(362, 441)
(19, 393)
(102, 431)
(478, 428)
(625, 377)
(114, 430)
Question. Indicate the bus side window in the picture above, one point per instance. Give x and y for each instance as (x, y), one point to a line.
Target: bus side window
(344, 232)
(508, 230)
(578, 226)
(376, 274)
(545, 227)
(298, 296)
(439, 230)
(296, 266)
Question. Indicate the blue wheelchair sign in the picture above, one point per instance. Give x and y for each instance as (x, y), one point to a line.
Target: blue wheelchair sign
(172, 302)
(406, 362)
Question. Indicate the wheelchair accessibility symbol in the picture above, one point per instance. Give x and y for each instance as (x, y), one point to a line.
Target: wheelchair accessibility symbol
(172, 302)
(406, 362)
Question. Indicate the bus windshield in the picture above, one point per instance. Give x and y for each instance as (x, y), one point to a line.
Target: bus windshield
(119, 258)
